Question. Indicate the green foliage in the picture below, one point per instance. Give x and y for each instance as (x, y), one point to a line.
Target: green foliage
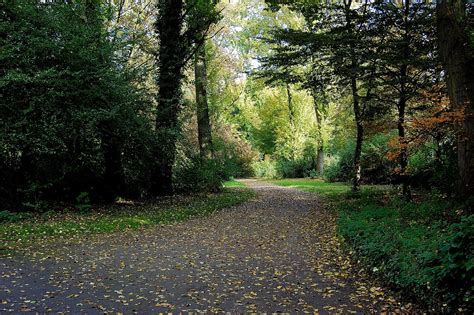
(313, 174)
(235, 154)
(429, 171)
(454, 264)
(265, 169)
(294, 168)
(70, 109)
(376, 167)
(83, 202)
(413, 248)
(198, 175)
(12, 217)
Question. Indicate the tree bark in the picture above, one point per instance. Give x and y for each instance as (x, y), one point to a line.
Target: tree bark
(320, 160)
(458, 61)
(114, 178)
(204, 125)
(358, 111)
(402, 104)
(171, 56)
(403, 158)
(319, 126)
(360, 136)
(291, 114)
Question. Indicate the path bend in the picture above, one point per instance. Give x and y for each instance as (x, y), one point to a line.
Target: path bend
(275, 253)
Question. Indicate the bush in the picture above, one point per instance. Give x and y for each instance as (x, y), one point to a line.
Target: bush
(265, 169)
(71, 112)
(236, 154)
(294, 168)
(453, 267)
(198, 175)
(11, 217)
(414, 248)
(284, 169)
(376, 168)
(83, 202)
(340, 168)
(429, 172)
(313, 174)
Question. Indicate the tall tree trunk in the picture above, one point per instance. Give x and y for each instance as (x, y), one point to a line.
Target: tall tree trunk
(204, 125)
(170, 62)
(291, 114)
(319, 125)
(403, 158)
(113, 181)
(320, 160)
(358, 110)
(458, 60)
(360, 136)
(402, 103)
(113, 174)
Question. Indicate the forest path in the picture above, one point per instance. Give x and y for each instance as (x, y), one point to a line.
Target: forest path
(276, 252)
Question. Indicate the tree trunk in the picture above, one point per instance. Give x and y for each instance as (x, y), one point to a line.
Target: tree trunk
(320, 149)
(320, 160)
(113, 174)
(360, 136)
(402, 104)
(204, 125)
(458, 61)
(170, 62)
(291, 114)
(403, 158)
(113, 181)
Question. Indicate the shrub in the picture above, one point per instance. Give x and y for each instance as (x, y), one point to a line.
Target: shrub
(198, 175)
(83, 202)
(11, 217)
(376, 168)
(414, 248)
(265, 169)
(313, 174)
(453, 267)
(294, 168)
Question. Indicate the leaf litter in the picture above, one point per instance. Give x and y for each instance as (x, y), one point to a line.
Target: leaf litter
(276, 253)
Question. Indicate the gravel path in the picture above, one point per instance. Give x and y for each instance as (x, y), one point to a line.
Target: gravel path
(276, 253)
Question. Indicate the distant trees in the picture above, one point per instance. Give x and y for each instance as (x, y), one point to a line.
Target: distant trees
(385, 57)
(335, 37)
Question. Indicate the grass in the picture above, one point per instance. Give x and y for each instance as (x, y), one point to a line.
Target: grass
(121, 216)
(329, 190)
(424, 249)
(233, 183)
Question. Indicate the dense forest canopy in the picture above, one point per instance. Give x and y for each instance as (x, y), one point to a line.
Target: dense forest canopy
(147, 98)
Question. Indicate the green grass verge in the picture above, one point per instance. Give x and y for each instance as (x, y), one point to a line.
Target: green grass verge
(424, 249)
(119, 217)
(233, 183)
